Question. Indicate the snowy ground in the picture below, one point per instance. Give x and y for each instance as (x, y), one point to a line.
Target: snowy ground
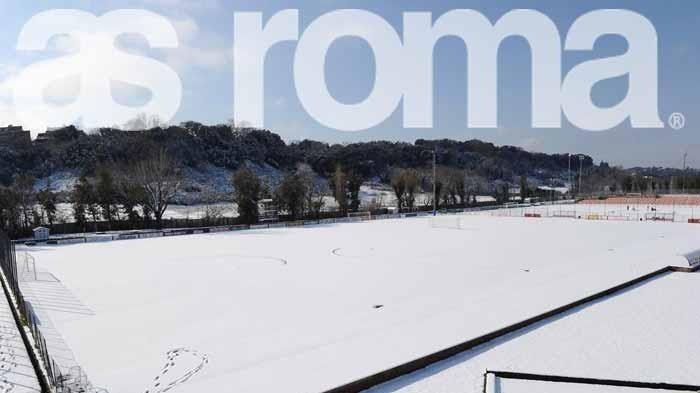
(17, 374)
(516, 386)
(648, 333)
(613, 212)
(308, 309)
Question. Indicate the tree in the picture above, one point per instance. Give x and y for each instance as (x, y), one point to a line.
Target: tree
(398, 184)
(316, 199)
(413, 181)
(92, 203)
(314, 191)
(355, 181)
(459, 181)
(247, 189)
(130, 196)
(10, 215)
(439, 186)
(339, 186)
(47, 199)
(24, 187)
(106, 195)
(290, 195)
(524, 191)
(143, 121)
(160, 180)
(81, 199)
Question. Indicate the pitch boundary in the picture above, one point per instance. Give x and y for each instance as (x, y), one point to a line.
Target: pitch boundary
(587, 381)
(436, 357)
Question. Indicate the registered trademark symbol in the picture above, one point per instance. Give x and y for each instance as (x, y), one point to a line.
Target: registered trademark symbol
(676, 121)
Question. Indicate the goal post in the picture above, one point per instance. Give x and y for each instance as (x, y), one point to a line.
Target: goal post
(564, 214)
(660, 216)
(362, 216)
(446, 222)
(26, 266)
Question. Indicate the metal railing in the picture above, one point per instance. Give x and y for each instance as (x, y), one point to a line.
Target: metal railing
(52, 378)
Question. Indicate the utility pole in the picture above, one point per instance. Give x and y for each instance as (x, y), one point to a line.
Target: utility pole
(580, 172)
(435, 181)
(685, 157)
(570, 185)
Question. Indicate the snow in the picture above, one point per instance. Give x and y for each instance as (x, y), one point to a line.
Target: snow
(648, 333)
(630, 212)
(279, 310)
(517, 386)
(16, 371)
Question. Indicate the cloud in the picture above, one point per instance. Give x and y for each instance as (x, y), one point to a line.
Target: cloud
(7, 111)
(198, 48)
(185, 5)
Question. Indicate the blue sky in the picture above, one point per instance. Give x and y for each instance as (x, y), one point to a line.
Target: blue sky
(204, 63)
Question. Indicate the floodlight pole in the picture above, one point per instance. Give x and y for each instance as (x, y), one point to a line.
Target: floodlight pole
(685, 157)
(435, 181)
(570, 188)
(580, 172)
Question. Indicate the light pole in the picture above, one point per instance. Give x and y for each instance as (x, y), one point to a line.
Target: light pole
(570, 185)
(685, 157)
(434, 181)
(434, 152)
(580, 172)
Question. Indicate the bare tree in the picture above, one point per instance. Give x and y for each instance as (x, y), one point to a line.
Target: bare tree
(47, 200)
(315, 191)
(160, 181)
(406, 183)
(412, 182)
(398, 184)
(24, 187)
(143, 121)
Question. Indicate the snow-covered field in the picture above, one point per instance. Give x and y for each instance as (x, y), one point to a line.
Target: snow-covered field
(612, 212)
(17, 374)
(517, 386)
(307, 309)
(648, 333)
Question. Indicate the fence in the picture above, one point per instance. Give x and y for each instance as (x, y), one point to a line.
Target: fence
(144, 234)
(433, 358)
(72, 228)
(608, 212)
(51, 377)
(489, 383)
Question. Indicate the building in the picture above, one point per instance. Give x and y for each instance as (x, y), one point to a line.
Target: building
(59, 134)
(14, 136)
(41, 234)
(267, 211)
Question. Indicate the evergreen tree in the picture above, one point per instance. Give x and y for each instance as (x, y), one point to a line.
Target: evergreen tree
(81, 198)
(339, 186)
(106, 195)
(247, 191)
(290, 195)
(47, 199)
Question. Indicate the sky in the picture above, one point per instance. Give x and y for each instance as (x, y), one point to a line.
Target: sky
(203, 61)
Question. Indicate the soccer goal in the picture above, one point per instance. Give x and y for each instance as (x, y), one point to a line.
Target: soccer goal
(362, 216)
(660, 216)
(454, 222)
(564, 214)
(26, 266)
